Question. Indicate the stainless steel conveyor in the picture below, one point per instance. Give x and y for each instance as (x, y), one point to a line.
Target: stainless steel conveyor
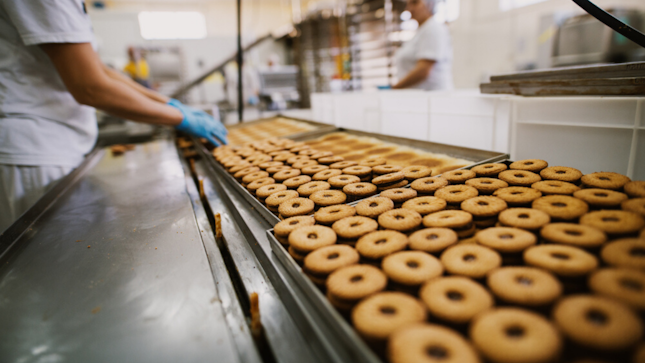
(119, 263)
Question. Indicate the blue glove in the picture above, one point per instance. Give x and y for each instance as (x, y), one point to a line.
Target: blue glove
(199, 123)
(384, 87)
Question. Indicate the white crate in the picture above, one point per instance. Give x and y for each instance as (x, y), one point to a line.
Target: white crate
(469, 119)
(357, 111)
(588, 133)
(322, 107)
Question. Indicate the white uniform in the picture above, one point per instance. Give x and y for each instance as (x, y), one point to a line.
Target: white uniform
(41, 125)
(431, 42)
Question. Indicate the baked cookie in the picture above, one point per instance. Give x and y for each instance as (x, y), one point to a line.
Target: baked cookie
(524, 285)
(561, 207)
(378, 316)
(286, 174)
(424, 205)
(285, 227)
(627, 253)
(265, 191)
(416, 343)
(520, 178)
(296, 181)
(484, 206)
(399, 195)
(269, 164)
(622, 284)
(598, 322)
(432, 240)
(506, 239)
(313, 169)
(386, 169)
(601, 198)
(470, 260)
(561, 260)
(411, 268)
(448, 219)
(297, 159)
(242, 173)
(525, 218)
(338, 182)
(326, 198)
(296, 207)
(321, 154)
(486, 185)
(387, 179)
(274, 169)
(297, 256)
(274, 200)
(283, 157)
(455, 194)
(614, 222)
(605, 180)
(416, 172)
(328, 160)
(400, 220)
(378, 244)
(326, 174)
(459, 176)
(636, 205)
(363, 172)
(372, 162)
(352, 283)
(253, 186)
(307, 189)
(374, 207)
(400, 184)
(325, 260)
(532, 165)
(489, 170)
(359, 190)
(513, 335)
(562, 173)
(354, 227)
(455, 299)
(343, 164)
(329, 215)
(635, 189)
(427, 186)
(573, 234)
(310, 238)
(557, 187)
(517, 196)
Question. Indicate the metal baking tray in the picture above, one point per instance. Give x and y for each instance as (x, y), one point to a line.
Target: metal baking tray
(342, 336)
(479, 156)
(319, 126)
(321, 311)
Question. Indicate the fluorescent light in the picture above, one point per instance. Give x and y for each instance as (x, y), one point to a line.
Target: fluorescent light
(172, 25)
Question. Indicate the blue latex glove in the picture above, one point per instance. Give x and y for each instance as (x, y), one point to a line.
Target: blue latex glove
(384, 87)
(199, 123)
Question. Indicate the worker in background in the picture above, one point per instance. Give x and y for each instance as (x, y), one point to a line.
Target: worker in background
(425, 62)
(137, 67)
(51, 81)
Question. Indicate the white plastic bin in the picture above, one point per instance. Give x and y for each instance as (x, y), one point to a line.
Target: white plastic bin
(588, 133)
(469, 119)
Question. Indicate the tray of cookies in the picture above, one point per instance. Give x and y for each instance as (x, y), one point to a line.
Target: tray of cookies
(278, 126)
(283, 177)
(500, 262)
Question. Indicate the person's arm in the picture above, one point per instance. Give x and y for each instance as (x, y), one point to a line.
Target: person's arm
(419, 73)
(118, 76)
(86, 79)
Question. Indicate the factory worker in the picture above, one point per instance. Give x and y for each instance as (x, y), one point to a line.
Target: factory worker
(425, 61)
(51, 81)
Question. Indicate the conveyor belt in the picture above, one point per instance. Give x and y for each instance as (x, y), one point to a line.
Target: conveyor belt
(115, 270)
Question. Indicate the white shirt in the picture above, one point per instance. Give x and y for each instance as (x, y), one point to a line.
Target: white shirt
(40, 122)
(431, 42)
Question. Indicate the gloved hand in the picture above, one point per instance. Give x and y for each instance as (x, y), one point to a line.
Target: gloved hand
(199, 123)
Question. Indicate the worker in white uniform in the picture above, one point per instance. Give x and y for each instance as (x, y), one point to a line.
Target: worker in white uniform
(425, 61)
(51, 81)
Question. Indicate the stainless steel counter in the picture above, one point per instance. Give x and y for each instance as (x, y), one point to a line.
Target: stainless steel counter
(116, 271)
